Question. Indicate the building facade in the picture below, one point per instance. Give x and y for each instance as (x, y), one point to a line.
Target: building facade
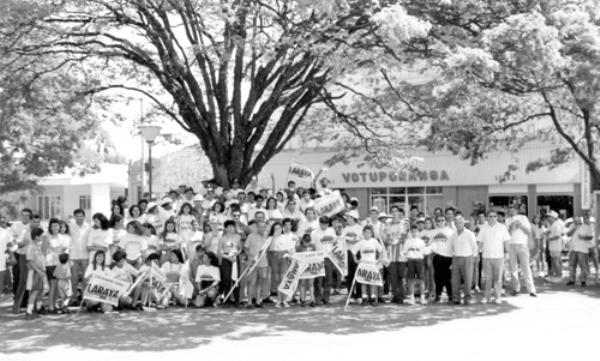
(60, 194)
(443, 180)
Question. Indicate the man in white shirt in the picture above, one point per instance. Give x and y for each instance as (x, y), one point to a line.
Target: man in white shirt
(583, 236)
(79, 253)
(21, 233)
(493, 239)
(518, 250)
(464, 248)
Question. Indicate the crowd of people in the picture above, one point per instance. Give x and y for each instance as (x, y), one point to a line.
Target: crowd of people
(208, 241)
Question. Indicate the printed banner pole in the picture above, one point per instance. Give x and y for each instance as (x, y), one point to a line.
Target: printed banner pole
(350, 292)
(237, 282)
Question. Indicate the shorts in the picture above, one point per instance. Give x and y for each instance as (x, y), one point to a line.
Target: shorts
(50, 272)
(414, 269)
(37, 283)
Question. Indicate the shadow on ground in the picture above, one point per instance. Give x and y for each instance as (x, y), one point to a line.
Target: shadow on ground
(181, 328)
(189, 328)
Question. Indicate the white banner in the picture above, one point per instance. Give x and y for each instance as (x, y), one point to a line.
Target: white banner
(339, 255)
(300, 174)
(314, 264)
(290, 279)
(330, 204)
(368, 273)
(105, 289)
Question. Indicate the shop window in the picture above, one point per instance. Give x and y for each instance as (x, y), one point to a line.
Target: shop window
(560, 203)
(424, 198)
(501, 203)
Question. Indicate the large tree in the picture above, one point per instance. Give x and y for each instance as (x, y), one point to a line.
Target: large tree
(240, 75)
(504, 73)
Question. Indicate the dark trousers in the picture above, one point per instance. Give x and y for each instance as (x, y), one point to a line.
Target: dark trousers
(442, 274)
(350, 279)
(323, 284)
(20, 282)
(226, 279)
(397, 271)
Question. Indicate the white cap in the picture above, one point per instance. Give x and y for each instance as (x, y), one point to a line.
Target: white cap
(353, 213)
(552, 214)
(165, 201)
(198, 198)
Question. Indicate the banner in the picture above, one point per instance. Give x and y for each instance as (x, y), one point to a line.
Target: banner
(105, 289)
(368, 273)
(314, 264)
(339, 255)
(289, 283)
(300, 174)
(330, 204)
(159, 285)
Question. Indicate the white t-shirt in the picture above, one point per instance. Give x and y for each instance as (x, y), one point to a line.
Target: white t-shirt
(583, 238)
(441, 241)
(427, 236)
(556, 230)
(492, 240)
(125, 273)
(56, 246)
(323, 239)
(133, 245)
(207, 273)
(5, 238)
(517, 235)
(305, 226)
(369, 248)
(414, 248)
(353, 237)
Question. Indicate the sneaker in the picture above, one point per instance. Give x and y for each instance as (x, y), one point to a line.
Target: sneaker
(570, 283)
(374, 302)
(583, 284)
(249, 305)
(533, 294)
(484, 301)
(31, 316)
(514, 293)
(437, 299)
(364, 301)
(496, 301)
(423, 300)
(313, 304)
(278, 304)
(259, 305)
(286, 304)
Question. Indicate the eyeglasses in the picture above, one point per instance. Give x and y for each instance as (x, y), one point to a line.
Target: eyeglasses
(236, 215)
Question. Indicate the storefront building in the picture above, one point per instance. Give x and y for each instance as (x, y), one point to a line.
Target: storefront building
(443, 180)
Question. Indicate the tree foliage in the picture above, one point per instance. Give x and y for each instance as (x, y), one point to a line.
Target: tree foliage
(240, 75)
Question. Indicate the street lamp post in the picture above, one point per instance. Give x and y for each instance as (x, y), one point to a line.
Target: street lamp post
(149, 133)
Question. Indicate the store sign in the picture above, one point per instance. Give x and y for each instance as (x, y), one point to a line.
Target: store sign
(586, 185)
(395, 176)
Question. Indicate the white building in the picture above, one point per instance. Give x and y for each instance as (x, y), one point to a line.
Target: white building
(60, 194)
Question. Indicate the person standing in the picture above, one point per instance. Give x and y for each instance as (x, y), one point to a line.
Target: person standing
(5, 245)
(463, 246)
(555, 245)
(442, 258)
(323, 239)
(583, 237)
(258, 280)
(518, 250)
(394, 236)
(413, 251)
(493, 239)
(79, 252)
(22, 234)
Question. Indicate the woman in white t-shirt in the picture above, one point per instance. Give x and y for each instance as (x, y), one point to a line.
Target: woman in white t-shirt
(184, 221)
(100, 237)
(174, 270)
(195, 238)
(152, 240)
(96, 267)
(352, 235)
(427, 235)
(170, 239)
(125, 272)
(134, 244)
(370, 250)
(207, 281)
(309, 223)
(54, 245)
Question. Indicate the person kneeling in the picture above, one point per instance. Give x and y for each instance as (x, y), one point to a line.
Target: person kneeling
(207, 281)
